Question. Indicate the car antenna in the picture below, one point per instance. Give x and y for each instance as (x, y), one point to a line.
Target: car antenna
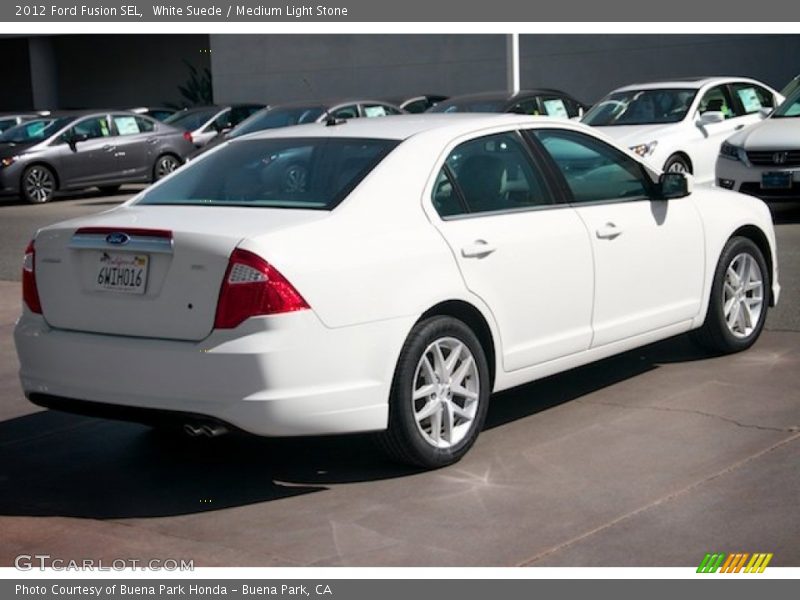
(332, 121)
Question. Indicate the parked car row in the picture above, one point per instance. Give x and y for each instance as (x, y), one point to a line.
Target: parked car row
(678, 125)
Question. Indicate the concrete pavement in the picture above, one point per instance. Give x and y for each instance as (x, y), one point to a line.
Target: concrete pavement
(650, 458)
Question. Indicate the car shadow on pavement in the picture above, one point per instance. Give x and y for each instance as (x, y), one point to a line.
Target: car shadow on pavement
(56, 464)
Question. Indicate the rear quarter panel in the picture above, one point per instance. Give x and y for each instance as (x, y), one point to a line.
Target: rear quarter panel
(377, 257)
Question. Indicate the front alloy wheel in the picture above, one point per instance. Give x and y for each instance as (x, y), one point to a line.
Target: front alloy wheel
(737, 308)
(439, 395)
(38, 184)
(743, 295)
(677, 164)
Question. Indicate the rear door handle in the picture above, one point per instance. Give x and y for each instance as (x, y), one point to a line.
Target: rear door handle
(477, 249)
(109, 148)
(608, 231)
(738, 127)
(152, 140)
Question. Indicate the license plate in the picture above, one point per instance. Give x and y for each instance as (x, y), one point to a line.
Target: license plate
(779, 180)
(122, 272)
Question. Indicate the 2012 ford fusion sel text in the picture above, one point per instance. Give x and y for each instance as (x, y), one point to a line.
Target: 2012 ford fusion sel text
(426, 262)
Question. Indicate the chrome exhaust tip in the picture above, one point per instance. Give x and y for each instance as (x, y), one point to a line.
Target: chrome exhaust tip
(214, 430)
(193, 431)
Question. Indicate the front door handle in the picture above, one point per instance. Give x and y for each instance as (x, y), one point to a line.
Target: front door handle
(477, 249)
(738, 127)
(109, 148)
(608, 231)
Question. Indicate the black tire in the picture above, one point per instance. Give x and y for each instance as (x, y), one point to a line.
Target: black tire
(715, 334)
(108, 190)
(38, 184)
(164, 165)
(677, 163)
(404, 441)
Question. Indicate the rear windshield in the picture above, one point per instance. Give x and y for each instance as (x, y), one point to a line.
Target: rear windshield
(191, 119)
(272, 118)
(313, 173)
(472, 106)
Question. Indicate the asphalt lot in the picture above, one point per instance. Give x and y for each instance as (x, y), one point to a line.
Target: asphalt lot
(651, 458)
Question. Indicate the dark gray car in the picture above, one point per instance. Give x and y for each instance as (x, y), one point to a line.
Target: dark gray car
(103, 149)
(299, 113)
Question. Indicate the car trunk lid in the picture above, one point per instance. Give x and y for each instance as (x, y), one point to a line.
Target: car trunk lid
(147, 271)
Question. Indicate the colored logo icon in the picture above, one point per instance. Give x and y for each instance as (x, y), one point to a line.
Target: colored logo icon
(740, 562)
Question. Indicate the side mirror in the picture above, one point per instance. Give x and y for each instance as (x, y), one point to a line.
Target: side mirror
(581, 112)
(674, 185)
(72, 139)
(765, 112)
(712, 116)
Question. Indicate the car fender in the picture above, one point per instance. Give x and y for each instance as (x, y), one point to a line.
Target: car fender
(723, 213)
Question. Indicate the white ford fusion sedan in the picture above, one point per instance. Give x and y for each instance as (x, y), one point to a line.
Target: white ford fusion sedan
(679, 125)
(418, 265)
(764, 160)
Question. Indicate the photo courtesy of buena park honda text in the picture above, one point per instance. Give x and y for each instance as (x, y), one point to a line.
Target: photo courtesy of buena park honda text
(357, 299)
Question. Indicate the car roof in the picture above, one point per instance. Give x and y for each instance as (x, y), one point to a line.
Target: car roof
(325, 104)
(401, 127)
(62, 114)
(503, 95)
(693, 83)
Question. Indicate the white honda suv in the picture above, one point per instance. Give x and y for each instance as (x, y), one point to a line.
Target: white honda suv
(679, 125)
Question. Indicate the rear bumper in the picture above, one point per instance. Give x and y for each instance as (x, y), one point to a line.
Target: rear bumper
(274, 376)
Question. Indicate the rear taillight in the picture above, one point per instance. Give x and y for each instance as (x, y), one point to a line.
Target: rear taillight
(30, 295)
(188, 136)
(253, 287)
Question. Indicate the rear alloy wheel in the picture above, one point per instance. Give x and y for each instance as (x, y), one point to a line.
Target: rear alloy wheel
(739, 299)
(677, 164)
(165, 165)
(38, 184)
(440, 395)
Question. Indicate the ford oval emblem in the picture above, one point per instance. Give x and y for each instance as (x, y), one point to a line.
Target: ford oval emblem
(118, 238)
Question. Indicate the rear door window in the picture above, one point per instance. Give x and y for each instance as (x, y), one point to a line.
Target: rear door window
(126, 124)
(554, 106)
(489, 174)
(753, 97)
(145, 125)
